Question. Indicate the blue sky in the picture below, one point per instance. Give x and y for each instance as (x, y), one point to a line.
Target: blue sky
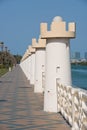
(20, 21)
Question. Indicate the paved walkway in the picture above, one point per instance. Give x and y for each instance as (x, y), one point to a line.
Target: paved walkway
(21, 109)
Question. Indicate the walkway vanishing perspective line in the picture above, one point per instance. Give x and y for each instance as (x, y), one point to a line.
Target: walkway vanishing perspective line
(22, 109)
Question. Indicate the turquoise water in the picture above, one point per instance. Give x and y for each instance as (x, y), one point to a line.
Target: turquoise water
(79, 76)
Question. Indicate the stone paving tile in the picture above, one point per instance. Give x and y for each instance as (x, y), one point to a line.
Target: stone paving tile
(22, 109)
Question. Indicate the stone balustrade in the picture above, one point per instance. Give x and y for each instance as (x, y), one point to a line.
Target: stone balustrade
(72, 104)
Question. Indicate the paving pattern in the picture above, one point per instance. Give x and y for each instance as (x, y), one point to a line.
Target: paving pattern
(22, 109)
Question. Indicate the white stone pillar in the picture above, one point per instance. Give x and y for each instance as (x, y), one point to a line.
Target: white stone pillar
(29, 63)
(32, 68)
(24, 63)
(57, 59)
(32, 65)
(39, 63)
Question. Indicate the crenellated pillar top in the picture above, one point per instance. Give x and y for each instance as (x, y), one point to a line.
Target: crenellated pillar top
(31, 49)
(41, 43)
(58, 29)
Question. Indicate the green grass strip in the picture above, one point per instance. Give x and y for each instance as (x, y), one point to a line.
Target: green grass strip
(3, 71)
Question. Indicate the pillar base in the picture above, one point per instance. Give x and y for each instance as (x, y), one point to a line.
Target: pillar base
(50, 102)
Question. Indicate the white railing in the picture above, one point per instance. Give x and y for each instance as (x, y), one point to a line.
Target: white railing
(72, 103)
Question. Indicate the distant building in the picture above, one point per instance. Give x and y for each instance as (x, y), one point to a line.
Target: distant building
(77, 56)
(85, 55)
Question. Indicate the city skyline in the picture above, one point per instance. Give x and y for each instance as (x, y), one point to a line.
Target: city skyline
(20, 21)
(77, 55)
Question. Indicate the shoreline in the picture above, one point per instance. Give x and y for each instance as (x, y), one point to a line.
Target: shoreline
(79, 63)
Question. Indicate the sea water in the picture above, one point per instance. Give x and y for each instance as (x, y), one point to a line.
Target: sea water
(79, 76)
